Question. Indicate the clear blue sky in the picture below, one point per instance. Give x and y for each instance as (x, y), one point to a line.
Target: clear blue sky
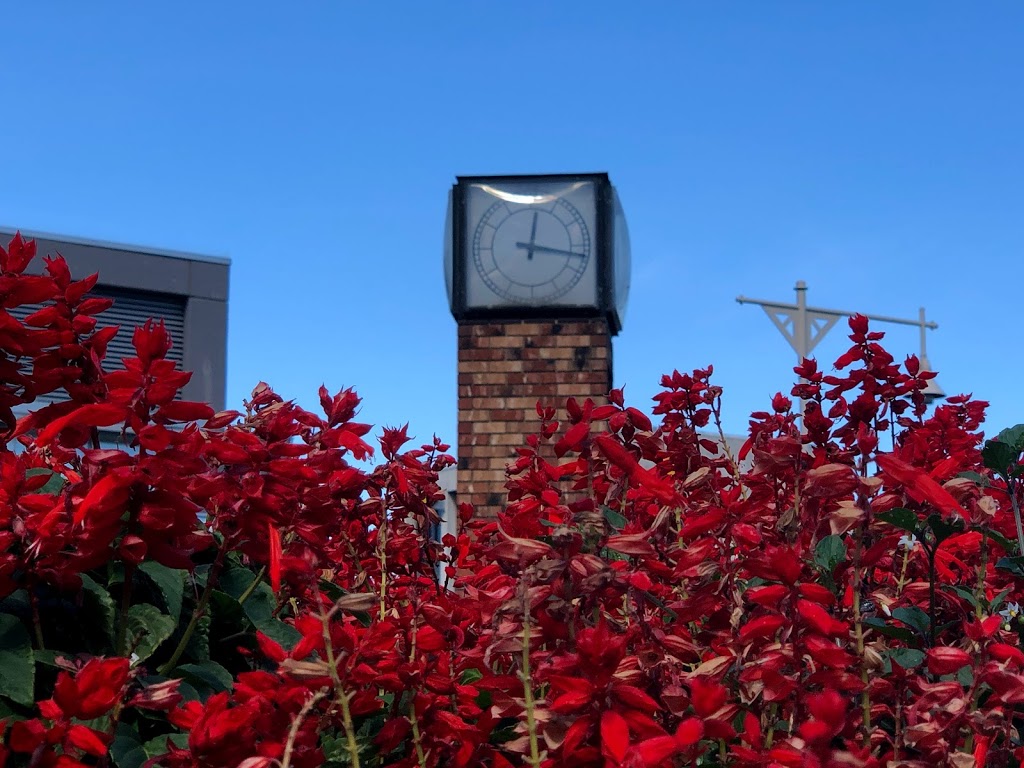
(875, 150)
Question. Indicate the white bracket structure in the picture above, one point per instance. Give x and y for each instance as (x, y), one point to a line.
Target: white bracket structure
(805, 326)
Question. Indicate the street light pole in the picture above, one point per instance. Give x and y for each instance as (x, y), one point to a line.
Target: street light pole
(803, 327)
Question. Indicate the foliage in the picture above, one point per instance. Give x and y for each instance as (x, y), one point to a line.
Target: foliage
(243, 589)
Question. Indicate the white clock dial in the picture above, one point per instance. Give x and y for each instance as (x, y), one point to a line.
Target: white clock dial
(531, 253)
(531, 245)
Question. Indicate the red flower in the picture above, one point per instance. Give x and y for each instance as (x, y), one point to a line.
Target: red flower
(94, 691)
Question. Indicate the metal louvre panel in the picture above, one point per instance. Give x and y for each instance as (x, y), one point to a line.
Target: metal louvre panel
(131, 309)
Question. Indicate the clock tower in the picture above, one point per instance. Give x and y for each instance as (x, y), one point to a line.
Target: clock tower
(537, 272)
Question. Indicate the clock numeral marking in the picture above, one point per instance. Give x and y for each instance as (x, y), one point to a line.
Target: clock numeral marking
(531, 254)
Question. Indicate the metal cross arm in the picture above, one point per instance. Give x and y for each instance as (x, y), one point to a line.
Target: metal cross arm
(805, 326)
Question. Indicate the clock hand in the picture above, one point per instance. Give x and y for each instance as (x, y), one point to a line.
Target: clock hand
(533, 238)
(533, 248)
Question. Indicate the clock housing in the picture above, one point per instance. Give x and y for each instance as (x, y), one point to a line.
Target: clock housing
(536, 246)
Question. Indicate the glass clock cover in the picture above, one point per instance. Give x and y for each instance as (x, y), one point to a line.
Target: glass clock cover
(531, 243)
(620, 260)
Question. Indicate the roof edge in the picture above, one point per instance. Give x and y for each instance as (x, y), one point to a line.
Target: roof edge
(127, 247)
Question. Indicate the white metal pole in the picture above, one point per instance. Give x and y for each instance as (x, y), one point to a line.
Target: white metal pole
(924, 354)
(802, 330)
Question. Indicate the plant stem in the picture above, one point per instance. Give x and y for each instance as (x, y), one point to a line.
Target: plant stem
(126, 603)
(902, 582)
(858, 629)
(252, 587)
(734, 467)
(531, 723)
(897, 742)
(1012, 487)
(382, 555)
(293, 732)
(417, 739)
(339, 691)
(979, 590)
(37, 623)
(414, 720)
(197, 613)
(350, 731)
(772, 717)
(931, 596)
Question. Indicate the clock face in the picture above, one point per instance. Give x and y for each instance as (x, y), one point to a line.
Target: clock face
(531, 253)
(531, 244)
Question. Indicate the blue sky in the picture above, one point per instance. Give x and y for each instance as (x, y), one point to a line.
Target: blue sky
(871, 149)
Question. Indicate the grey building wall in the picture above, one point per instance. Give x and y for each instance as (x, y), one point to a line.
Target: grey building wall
(199, 283)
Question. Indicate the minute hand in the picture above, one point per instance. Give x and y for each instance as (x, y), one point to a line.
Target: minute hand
(546, 249)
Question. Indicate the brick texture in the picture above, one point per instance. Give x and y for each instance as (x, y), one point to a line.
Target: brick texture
(505, 368)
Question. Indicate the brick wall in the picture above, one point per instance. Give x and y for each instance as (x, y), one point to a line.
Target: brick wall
(504, 369)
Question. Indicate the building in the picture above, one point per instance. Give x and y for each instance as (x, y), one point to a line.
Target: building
(187, 291)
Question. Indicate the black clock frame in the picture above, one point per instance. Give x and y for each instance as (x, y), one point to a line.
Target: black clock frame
(603, 244)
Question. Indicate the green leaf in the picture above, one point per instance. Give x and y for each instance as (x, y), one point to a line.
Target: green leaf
(829, 553)
(100, 604)
(1013, 436)
(16, 603)
(47, 658)
(208, 677)
(470, 676)
(126, 749)
(335, 748)
(332, 590)
(235, 581)
(484, 699)
(170, 582)
(1014, 565)
(615, 520)
(976, 477)
(966, 594)
(284, 634)
(198, 646)
(879, 626)
(17, 662)
(908, 658)
(53, 486)
(115, 574)
(1000, 457)
(905, 519)
(943, 529)
(188, 692)
(998, 600)
(148, 627)
(965, 676)
(226, 608)
(914, 617)
(259, 608)
(261, 604)
(156, 747)
(200, 576)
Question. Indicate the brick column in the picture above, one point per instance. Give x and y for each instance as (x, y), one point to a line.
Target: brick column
(505, 367)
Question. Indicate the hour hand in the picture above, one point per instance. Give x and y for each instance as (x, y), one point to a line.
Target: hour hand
(545, 249)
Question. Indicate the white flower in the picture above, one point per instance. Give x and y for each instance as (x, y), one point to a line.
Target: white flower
(134, 659)
(1010, 612)
(908, 541)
